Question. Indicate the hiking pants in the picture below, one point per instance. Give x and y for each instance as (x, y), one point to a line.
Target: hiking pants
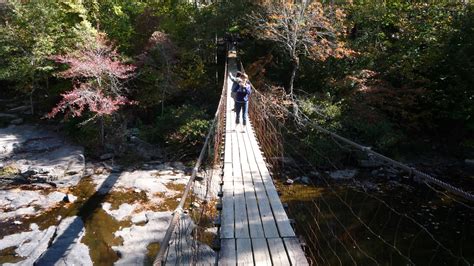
(241, 106)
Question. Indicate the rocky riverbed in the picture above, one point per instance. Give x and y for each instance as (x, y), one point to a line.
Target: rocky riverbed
(56, 208)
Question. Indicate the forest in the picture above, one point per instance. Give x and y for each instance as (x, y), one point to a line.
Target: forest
(399, 80)
(140, 81)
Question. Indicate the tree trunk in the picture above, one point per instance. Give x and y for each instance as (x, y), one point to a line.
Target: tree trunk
(32, 108)
(102, 131)
(296, 64)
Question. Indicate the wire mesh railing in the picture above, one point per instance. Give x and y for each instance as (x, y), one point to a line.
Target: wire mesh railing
(185, 241)
(368, 218)
(264, 123)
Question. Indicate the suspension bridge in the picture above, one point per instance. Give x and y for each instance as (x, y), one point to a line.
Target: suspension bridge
(252, 225)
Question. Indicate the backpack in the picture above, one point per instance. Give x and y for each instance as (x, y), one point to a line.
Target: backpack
(235, 87)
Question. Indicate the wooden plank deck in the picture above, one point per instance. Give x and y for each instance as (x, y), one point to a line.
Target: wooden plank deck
(254, 226)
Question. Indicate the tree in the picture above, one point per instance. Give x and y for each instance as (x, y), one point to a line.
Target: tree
(300, 29)
(32, 31)
(156, 65)
(97, 71)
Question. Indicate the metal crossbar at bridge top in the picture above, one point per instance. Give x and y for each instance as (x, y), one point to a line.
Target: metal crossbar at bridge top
(254, 226)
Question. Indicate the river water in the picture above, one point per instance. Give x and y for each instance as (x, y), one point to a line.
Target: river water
(366, 221)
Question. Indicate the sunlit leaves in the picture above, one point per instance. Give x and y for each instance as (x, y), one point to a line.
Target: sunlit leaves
(34, 30)
(98, 72)
(301, 29)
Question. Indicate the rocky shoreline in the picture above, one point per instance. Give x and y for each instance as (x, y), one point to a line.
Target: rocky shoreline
(58, 208)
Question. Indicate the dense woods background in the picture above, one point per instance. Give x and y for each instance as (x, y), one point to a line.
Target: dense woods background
(401, 83)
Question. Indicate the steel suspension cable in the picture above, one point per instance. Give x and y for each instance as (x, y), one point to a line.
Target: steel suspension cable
(367, 226)
(426, 177)
(160, 259)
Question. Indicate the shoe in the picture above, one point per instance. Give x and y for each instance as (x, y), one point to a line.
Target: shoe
(237, 122)
(245, 123)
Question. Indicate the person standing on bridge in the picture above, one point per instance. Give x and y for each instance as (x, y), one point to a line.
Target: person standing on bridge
(241, 90)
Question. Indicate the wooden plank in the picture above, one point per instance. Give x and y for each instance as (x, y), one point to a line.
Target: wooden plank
(261, 253)
(227, 217)
(227, 254)
(241, 220)
(295, 252)
(266, 215)
(228, 176)
(228, 206)
(278, 252)
(281, 218)
(227, 150)
(227, 214)
(282, 221)
(253, 214)
(244, 252)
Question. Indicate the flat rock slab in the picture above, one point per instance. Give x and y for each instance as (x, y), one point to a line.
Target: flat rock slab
(124, 211)
(149, 181)
(16, 202)
(66, 248)
(30, 244)
(343, 174)
(32, 148)
(137, 237)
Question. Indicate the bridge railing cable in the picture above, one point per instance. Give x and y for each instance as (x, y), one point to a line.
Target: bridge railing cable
(414, 172)
(209, 156)
(345, 227)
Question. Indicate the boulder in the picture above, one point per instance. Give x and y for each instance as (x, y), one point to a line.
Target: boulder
(106, 156)
(137, 238)
(19, 109)
(370, 163)
(469, 161)
(343, 174)
(26, 202)
(17, 121)
(139, 218)
(42, 155)
(305, 180)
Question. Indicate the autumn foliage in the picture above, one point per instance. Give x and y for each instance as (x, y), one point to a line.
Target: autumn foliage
(98, 74)
(75, 102)
(301, 29)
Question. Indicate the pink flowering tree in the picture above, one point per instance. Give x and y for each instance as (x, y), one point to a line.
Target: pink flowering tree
(98, 73)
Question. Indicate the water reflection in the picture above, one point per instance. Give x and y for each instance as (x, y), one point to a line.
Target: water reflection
(344, 224)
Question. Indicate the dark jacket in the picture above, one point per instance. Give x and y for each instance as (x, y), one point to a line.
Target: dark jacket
(241, 92)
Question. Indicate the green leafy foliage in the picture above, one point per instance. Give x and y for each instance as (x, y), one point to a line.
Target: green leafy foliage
(452, 92)
(419, 57)
(117, 19)
(32, 31)
(402, 38)
(185, 125)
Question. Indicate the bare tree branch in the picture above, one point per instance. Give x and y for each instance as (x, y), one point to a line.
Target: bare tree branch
(299, 29)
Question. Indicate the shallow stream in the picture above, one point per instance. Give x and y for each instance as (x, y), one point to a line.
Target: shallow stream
(367, 223)
(99, 225)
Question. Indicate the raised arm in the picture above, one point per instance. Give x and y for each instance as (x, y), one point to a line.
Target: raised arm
(234, 79)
